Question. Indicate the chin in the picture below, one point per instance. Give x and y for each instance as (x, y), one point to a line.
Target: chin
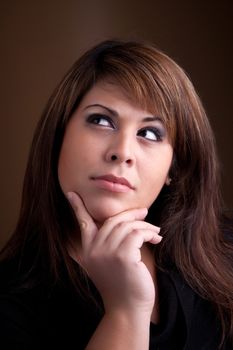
(100, 216)
(100, 213)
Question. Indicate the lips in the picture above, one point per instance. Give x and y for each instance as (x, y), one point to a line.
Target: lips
(114, 183)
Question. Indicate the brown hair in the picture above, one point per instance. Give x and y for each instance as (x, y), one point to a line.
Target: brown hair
(189, 208)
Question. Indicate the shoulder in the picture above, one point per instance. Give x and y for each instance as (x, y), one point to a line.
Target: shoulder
(18, 324)
(200, 315)
(19, 321)
(43, 314)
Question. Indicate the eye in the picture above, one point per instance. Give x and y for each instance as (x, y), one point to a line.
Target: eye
(100, 120)
(151, 134)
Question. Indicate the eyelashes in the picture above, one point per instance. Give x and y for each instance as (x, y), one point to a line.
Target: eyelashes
(149, 133)
(100, 120)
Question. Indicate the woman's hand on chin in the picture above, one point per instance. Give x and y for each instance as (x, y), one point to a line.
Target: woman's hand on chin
(112, 258)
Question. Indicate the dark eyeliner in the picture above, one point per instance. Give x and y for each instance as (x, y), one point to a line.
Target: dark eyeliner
(95, 116)
(158, 133)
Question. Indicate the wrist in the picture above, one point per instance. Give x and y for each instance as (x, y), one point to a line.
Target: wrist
(129, 318)
(122, 329)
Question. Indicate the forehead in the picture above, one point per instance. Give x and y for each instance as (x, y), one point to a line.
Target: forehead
(109, 91)
(112, 94)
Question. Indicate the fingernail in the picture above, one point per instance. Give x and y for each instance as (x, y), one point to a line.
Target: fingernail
(144, 211)
(69, 196)
(157, 239)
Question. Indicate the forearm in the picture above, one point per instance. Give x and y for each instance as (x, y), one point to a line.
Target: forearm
(121, 331)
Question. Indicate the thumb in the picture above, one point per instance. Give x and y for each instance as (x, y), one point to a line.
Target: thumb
(87, 225)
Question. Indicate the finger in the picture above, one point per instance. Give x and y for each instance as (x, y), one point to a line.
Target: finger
(118, 219)
(123, 229)
(87, 226)
(137, 238)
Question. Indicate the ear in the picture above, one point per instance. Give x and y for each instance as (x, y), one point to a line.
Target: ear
(168, 181)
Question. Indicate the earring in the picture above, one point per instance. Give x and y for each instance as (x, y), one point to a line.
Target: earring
(168, 181)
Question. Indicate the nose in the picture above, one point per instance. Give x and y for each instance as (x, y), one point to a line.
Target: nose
(121, 150)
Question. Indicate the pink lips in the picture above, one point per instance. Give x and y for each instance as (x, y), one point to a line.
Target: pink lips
(113, 183)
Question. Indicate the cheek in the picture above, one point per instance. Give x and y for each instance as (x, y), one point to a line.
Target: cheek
(154, 178)
(68, 166)
(150, 193)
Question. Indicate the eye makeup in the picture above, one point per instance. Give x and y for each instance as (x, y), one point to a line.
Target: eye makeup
(112, 117)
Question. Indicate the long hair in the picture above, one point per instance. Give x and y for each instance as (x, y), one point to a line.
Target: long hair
(190, 209)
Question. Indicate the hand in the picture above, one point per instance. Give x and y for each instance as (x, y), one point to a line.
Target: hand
(112, 258)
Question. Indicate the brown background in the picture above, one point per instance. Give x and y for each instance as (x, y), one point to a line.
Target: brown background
(41, 39)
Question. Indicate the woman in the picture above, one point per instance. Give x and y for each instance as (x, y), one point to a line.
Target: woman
(120, 241)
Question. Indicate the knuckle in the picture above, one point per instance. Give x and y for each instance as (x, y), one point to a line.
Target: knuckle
(93, 255)
(119, 225)
(135, 234)
(120, 257)
(83, 225)
(108, 220)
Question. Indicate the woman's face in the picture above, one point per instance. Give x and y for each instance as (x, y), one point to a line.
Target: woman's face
(115, 155)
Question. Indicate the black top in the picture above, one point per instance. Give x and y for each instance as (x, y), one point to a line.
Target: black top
(42, 316)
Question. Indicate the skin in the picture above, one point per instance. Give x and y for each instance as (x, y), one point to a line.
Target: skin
(109, 134)
(89, 143)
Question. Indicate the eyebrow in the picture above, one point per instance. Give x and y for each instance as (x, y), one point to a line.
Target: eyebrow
(115, 114)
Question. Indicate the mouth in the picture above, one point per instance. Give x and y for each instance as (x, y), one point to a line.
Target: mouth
(113, 183)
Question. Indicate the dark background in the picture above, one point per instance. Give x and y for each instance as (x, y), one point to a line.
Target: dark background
(41, 39)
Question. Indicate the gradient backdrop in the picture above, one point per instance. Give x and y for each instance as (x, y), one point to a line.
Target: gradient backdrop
(41, 39)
